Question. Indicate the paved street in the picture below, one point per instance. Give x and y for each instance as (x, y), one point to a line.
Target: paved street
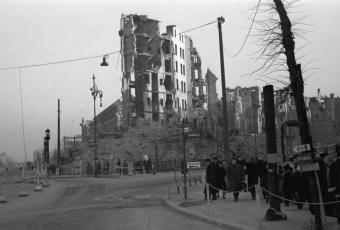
(101, 203)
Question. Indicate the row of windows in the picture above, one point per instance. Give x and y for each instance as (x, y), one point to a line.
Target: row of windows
(182, 68)
(183, 86)
(181, 52)
(180, 36)
(161, 102)
(184, 104)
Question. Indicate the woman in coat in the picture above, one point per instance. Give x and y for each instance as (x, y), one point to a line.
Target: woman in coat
(253, 175)
(234, 176)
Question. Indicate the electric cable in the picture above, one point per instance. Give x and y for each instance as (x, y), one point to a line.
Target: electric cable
(198, 27)
(58, 62)
(247, 36)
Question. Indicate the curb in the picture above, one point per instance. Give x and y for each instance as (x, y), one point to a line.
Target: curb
(205, 218)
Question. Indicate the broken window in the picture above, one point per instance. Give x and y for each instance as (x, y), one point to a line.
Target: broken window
(168, 82)
(167, 65)
(166, 47)
(194, 57)
(147, 78)
(196, 73)
(168, 101)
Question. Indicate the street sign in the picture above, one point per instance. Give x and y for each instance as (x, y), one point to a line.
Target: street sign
(301, 148)
(309, 167)
(304, 158)
(194, 164)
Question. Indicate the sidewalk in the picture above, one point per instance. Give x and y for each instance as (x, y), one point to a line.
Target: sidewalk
(243, 214)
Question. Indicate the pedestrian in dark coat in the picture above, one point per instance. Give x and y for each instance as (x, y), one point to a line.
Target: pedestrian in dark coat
(234, 177)
(212, 178)
(220, 177)
(252, 172)
(288, 184)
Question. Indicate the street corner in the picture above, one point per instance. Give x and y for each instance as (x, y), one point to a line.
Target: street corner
(178, 206)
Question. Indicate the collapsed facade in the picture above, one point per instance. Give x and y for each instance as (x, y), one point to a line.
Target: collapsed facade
(162, 77)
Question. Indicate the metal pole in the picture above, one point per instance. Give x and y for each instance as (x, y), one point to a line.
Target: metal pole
(95, 136)
(58, 157)
(220, 20)
(272, 156)
(185, 164)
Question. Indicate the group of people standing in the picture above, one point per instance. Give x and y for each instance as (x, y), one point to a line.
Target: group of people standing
(232, 177)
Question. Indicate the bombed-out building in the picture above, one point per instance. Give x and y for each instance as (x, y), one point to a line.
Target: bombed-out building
(161, 71)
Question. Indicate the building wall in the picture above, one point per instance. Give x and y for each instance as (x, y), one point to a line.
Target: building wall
(246, 103)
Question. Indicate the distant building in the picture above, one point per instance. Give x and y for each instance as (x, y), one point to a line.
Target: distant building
(244, 106)
(108, 123)
(324, 117)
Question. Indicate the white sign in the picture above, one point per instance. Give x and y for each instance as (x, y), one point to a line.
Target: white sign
(194, 164)
(301, 148)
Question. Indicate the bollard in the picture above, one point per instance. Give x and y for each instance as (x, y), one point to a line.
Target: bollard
(208, 197)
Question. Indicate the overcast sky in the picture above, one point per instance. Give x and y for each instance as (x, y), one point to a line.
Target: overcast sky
(35, 32)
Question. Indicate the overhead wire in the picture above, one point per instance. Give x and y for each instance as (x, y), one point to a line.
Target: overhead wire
(247, 36)
(198, 27)
(59, 62)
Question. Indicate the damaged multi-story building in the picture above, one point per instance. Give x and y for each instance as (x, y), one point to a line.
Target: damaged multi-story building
(161, 72)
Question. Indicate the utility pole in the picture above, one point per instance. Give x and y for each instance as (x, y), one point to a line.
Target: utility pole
(221, 20)
(272, 155)
(58, 157)
(184, 161)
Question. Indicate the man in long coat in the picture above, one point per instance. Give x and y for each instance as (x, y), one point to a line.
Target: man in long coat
(212, 178)
(235, 176)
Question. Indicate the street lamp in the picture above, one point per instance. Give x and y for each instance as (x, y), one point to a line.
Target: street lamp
(46, 148)
(95, 92)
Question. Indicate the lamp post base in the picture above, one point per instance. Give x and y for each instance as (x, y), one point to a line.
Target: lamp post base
(273, 215)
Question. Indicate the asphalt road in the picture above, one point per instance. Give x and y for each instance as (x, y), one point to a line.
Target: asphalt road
(132, 202)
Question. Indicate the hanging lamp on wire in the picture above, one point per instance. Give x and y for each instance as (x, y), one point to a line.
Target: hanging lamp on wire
(104, 63)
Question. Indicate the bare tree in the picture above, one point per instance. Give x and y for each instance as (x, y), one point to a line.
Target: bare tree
(277, 41)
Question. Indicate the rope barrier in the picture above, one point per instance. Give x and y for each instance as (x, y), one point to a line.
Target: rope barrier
(230, 191)
(298, 202)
